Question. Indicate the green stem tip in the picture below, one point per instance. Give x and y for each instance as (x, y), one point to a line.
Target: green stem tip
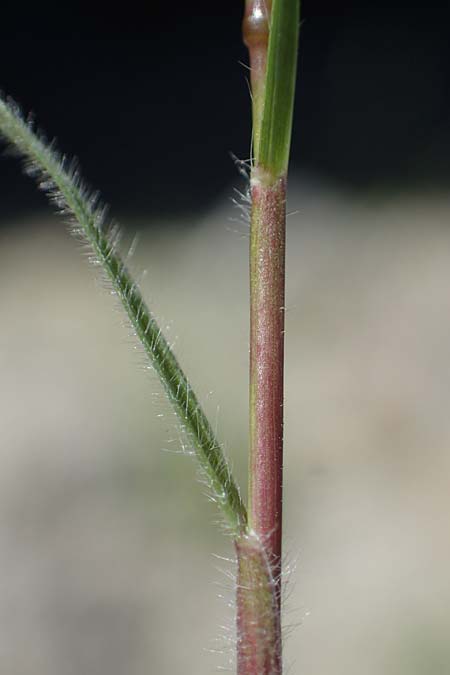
(272, 150)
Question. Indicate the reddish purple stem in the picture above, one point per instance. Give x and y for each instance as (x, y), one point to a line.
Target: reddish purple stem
(267, 274)
(259, 650)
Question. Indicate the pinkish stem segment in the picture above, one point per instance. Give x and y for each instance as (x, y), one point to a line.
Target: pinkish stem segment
(267, 275)
(258, 629)
(259, 551)
(259, 557)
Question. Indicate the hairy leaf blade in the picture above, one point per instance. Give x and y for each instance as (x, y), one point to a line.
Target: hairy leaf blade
(61, 181)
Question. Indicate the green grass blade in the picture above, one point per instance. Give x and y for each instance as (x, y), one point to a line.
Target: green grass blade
(61, 181)
(276, 126)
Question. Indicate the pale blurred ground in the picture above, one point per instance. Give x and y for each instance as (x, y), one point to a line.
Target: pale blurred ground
(106, 541)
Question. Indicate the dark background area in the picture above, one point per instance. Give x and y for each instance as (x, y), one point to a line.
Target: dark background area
(152, 97)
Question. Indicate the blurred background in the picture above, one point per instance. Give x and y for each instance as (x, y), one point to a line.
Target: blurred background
(107, 544)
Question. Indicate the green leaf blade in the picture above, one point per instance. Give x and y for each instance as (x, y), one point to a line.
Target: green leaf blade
(61, 181)
(276, 126)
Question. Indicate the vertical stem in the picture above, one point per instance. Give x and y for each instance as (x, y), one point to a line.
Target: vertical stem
(270, 31)
(267, 281)
(259, 553)
(258, 616)
(255, 33)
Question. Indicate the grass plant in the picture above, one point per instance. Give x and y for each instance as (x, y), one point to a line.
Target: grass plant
(270, 31)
